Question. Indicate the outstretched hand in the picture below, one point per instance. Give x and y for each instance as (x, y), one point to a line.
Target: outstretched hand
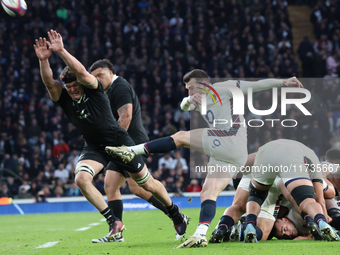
(292, 82)
(56, 41)
(41, 50)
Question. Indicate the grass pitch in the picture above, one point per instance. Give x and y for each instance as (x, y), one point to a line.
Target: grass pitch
(148, 232)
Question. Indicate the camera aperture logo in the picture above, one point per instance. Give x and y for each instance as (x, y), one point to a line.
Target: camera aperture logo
(238, 105)
(209, 93)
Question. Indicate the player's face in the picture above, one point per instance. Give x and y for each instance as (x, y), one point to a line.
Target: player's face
(75, 89)
(193, 87)
(104, 75)
(285, 229)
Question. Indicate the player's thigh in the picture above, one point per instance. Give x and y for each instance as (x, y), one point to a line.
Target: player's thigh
(86, 170)
(212, 187)
(113, 180)
(140, 174)
(138, 190)
(294, 183)
(91, 161)
(189, 139)
(241, 196)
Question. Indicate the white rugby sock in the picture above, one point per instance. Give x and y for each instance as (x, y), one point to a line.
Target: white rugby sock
(201, 230)
(138, 149)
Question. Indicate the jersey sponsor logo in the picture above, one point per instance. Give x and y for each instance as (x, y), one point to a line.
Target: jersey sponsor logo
(216, 143)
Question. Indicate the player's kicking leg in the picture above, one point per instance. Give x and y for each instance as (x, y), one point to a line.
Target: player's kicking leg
(187, 139)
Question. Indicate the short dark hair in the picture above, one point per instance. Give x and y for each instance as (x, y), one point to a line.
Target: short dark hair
(103, 63)
(333, 155)
(197, 74)
(67, 76)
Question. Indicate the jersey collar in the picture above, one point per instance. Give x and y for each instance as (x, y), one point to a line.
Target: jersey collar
(113, 79)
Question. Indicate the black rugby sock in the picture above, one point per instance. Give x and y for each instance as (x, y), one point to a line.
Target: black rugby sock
(226, 221)
(251, 218)
(116, 207)
(319, 217)
(161, 145)
(107, 213)
(155, 202)
(208, 210)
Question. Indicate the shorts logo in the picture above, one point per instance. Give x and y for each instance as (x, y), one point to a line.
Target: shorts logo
(216, 143)
(139, 164)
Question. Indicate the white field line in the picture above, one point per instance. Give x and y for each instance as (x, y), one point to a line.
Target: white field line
(83, 229)
(47, 245)
(94, 224)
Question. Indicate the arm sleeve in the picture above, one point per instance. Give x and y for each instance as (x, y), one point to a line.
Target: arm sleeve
(260, 85)
(256, 85)
(186, 106)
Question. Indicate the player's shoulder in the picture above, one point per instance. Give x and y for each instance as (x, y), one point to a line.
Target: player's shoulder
(64, 96)
(227, 83)
(121, 82)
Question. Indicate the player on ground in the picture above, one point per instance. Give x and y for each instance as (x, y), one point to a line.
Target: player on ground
(288, 155)
(88, 108)
(126, 110)
(332, 158)
(226, 144)
(238, 208)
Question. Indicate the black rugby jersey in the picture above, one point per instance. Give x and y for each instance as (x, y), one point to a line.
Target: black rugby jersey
(92, 116)
(120, 93)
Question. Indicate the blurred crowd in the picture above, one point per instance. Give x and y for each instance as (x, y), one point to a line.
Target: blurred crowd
(153, 44)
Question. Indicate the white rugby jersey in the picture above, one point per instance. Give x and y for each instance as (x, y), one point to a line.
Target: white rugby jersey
(220, 113)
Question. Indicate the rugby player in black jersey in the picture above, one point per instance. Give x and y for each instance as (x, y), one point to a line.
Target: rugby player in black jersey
(88, 108)
(126, 110)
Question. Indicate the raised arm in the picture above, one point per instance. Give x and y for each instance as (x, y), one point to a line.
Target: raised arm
(53, 87)
(262, 84)
(56, 44)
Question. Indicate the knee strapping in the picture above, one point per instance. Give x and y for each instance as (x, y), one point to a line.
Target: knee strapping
(144, 179)
(84, 168)
(257, 195)
(302, 192)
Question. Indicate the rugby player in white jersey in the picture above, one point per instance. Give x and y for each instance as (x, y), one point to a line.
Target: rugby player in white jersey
(226, 143)
(296, 161)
